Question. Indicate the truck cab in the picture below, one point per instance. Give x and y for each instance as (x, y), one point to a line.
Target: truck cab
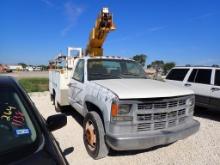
(123, 110)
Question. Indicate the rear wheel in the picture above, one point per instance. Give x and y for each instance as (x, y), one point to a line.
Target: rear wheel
(52, 97)
(57, 106)
(93, 136)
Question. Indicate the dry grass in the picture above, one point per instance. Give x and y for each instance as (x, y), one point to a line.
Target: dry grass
(34, 84)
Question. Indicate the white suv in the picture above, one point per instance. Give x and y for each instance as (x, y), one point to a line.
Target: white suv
(204, 81)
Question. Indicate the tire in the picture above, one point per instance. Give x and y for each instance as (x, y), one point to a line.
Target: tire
(57, 107)
(52, 97)
(92, 126)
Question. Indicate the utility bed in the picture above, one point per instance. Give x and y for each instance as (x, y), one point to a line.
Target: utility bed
(58, 81)
(60, 75)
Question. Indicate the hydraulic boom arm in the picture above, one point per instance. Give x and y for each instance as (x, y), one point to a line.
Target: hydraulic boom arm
(104, 24)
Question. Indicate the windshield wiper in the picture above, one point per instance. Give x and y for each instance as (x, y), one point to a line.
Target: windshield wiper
(132, 74)
(103, 74)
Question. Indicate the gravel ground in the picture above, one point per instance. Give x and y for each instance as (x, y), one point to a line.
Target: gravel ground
(200, 148)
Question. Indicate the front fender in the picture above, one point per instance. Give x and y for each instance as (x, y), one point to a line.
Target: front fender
(102, 107)
(101, 97)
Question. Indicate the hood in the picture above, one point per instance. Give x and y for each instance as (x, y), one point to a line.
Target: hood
(142, 88)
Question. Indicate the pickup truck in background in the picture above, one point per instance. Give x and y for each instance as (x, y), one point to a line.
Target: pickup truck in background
(122, 109)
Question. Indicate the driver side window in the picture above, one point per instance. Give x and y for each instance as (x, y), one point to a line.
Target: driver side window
(79, 71)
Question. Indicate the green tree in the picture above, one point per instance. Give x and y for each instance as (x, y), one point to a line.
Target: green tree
(168, 66)
(158, 64)
(22, 64)
(140, 58)
(44, 67)
(149, 66)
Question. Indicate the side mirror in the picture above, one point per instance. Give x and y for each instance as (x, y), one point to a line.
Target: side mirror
(55, 122)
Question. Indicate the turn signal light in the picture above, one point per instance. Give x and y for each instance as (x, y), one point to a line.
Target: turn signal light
(114, 109)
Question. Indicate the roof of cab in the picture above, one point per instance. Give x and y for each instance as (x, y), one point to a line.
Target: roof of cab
(107, 57)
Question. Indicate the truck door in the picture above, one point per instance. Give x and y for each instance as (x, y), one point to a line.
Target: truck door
(215, 91)
(200, 82)
(76, 86)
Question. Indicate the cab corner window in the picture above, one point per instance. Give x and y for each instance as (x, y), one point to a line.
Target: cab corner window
(79, 71)
(203, 76)
(177, 74)
(217, 77)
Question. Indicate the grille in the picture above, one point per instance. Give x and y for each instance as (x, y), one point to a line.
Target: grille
(172, 114)
(181, 112)
(142, 117)
(161, 105)
(172, 104)
(145, 106)
(160, 116)
(182, 102)
(153, 116)
(159, 125)
(144, 127)
(172, 123)
(161, 120)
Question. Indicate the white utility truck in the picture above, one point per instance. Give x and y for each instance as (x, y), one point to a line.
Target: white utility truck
(122, 109)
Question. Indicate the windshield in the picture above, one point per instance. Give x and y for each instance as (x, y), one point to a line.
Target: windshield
(16, 128)
(99, 69)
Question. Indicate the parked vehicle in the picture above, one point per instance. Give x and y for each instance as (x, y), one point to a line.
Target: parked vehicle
(204, 81)
(123, 110)
(25, 136)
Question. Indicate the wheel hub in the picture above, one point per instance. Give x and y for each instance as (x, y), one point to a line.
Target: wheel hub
(90, 135)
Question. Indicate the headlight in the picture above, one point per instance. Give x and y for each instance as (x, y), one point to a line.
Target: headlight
(121, 112)
(124, 109)
(190, 102)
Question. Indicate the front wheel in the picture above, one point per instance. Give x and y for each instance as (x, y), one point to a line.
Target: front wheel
(93, 136)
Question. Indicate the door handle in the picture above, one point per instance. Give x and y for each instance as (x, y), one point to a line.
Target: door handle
(215, 89)
(187, 85)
